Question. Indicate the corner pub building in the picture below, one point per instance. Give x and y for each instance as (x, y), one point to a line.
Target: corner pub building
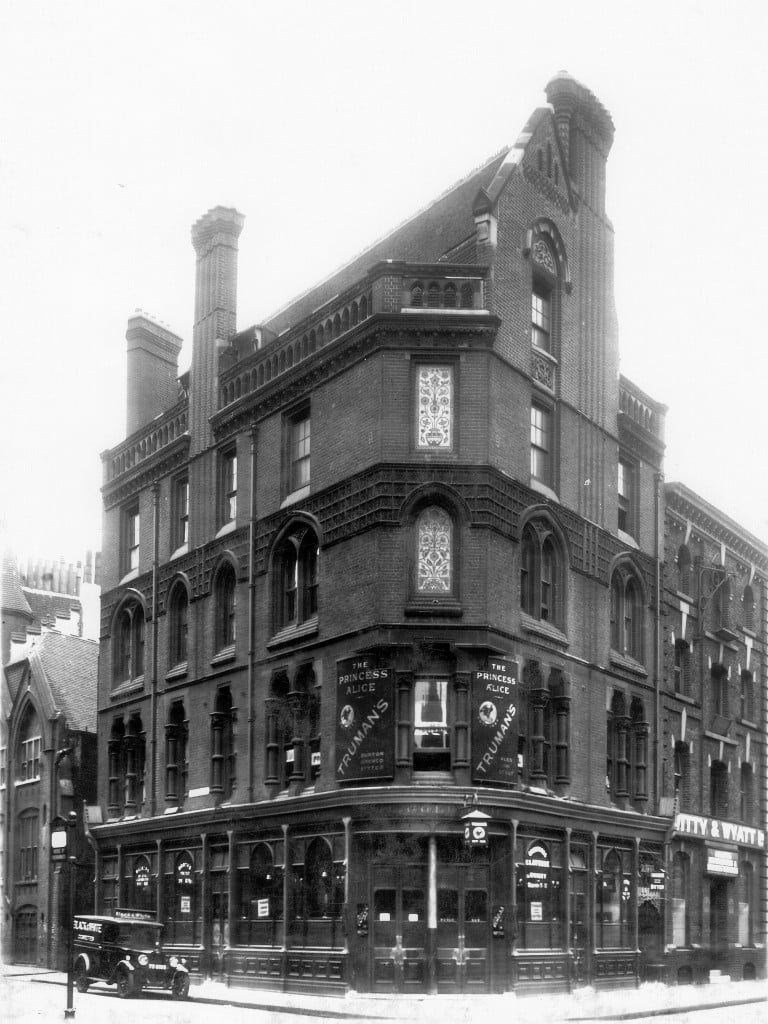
(381, 685)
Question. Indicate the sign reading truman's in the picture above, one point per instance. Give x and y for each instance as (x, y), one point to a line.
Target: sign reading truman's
(365, 720)
(494, 723)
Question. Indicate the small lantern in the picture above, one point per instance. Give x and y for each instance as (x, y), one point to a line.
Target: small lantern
(59, 837)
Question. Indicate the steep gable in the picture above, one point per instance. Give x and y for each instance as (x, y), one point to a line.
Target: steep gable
(444, 227)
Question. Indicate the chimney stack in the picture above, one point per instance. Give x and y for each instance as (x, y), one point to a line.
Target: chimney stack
(153, 370)
(214, 238)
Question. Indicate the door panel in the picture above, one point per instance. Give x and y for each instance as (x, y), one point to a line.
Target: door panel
(463, 928)
(399, 929)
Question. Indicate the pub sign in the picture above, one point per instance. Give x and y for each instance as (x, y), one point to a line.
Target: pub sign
(494, 722)
(364, 720)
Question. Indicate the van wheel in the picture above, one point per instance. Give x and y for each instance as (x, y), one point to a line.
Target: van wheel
(124, 982)
(81, 978)
(180, 986)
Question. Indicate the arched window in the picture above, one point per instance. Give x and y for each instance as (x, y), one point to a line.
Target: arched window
(718, 789)
(176, 737)
(142, 885)
(719, 686)
(29, 747)
(612, 906)
(748, 600)
(261, 898)
(323, 891)
(541, 574)
(223, 744)
(134, 763)
(682, 667)
(684, 569)
(417, 294)
(747, 901)
(116, 769)
(681, 922)
(178, 614)
(627, 628)
(293, 727)
(434, 560)
(225, 596)
(682, 774)
(449, 296)
(747, 793)
(540, 896)
(467, 296)
(747, 696)
(128, 643)
(433, 295)
(27, 844)
(183, 917)
(296, 569)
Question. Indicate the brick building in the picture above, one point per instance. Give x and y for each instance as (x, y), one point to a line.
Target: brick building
(714, 725)
(381, 678)
(47, 747)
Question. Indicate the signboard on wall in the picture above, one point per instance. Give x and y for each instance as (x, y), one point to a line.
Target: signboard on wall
(722, 862)
(494, 722)
(365, 717)
(713, 828)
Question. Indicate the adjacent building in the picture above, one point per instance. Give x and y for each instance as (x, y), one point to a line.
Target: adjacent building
(47, 749)
(383, 700)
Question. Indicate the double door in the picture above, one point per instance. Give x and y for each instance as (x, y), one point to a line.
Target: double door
(409, 956)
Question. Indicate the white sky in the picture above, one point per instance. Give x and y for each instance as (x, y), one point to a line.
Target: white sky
(326, 122)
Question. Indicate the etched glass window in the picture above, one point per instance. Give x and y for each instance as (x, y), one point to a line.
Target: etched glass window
(434, 558)
(435, 413)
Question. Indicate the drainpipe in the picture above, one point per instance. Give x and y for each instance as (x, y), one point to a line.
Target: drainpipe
(153, 684)
(251, 613)
(657, 666)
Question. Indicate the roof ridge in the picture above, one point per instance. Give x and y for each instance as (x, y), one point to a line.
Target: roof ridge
(265, 321)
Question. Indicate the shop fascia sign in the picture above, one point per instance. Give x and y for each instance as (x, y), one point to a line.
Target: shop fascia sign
(725, 831)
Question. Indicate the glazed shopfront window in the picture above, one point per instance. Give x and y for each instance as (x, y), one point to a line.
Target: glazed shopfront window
(431, 743)
(540, 906)
(613, 903)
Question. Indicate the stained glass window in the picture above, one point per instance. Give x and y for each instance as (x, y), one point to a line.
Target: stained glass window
(435, 556)
(435, 413)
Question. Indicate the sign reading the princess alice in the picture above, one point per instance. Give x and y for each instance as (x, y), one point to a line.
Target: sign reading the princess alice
(364, 720)
(494, 722)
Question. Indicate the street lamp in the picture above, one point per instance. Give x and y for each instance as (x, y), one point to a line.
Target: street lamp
(62, 849)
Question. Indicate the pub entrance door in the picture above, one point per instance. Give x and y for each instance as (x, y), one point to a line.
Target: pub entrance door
(463, 928)
(399, 928)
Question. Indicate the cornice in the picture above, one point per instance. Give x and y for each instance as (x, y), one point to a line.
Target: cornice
(160, 463)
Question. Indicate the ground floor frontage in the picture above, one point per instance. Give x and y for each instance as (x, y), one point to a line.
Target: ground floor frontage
(428, 890)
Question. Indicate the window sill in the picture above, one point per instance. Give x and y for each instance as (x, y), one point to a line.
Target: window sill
(435, 606)
(294, 632)
(133, 574)
(542, 488)
(749, 632)
(748, 722)
(177, 672)
(710, 734)
(684, 597)
(183, 550)
(128, 686)
(294, 496)
(224, 655)
(628, 663)
(545, 629)
(229, 527)
(628, 539)
(686, 699)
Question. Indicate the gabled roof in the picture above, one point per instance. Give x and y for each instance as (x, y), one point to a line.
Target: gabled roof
(64, 670)
(424, 238)
(47, 606)
(13, 599)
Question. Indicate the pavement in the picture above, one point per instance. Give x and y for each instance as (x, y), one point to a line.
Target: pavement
(582, 1004)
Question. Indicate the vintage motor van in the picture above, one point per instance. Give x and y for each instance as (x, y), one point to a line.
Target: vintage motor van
(125, 950)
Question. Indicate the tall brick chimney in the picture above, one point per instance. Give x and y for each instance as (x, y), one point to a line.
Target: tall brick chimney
(153, 370)
(214, 237)
(586, 133)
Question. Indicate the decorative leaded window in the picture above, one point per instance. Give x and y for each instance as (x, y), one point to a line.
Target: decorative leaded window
(435, 568)
(435, 407)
